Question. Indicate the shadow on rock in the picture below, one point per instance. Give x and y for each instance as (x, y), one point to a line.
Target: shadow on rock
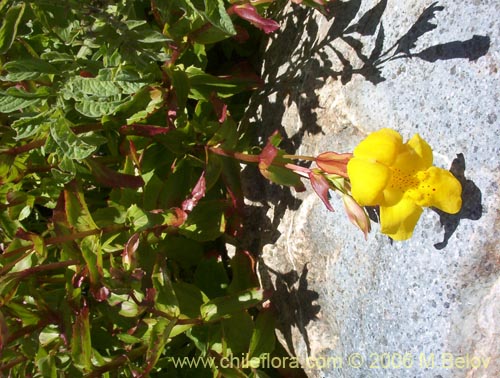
(297, 64)
(471, 203)
(294, 303)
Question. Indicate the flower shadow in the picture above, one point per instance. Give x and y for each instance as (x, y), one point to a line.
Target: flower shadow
(471, 203)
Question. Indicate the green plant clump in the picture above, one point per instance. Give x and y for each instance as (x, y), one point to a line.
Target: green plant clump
(119, 190)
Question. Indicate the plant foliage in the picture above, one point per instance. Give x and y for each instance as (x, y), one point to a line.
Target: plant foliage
(114, 213)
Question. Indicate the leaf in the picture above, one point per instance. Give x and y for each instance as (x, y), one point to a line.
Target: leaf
(142, 220)
(9, 104)
(74, 206)
(92, 254)
(190, 299)
(112, 179)
(81, 346)
(236, 333)
(165, 298)
(211, 277)
(8, 31)
(28, 69)
(180, 84)
(206, 222)
(267, 156)
(157, 342)
(215, 11)
(263, 337)
(222, 307)
(29, 126)
(41, 92)
(98, 108)
(203, 85)
(71, 145)
(283, 176)
(79, 86)
(244, 272)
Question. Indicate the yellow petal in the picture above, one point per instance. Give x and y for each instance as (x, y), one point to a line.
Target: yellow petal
(416, 155)
(382, 146)
(398, 221)
(440, 189)
(368, 180)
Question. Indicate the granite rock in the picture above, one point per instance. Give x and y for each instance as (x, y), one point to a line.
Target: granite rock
(391, 307)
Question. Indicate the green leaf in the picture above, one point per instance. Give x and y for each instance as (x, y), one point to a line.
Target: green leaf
(78, 87)
(222, 26)
(158, 340)
(28, 69)
(81, 345)
(263, 337)
(283, 176)
(190, 298)
(165, 300)
(237, 332)
(29, 126)
(142, 220)
(41, 92)
(222, 307)
(206, 222)
(71, 145)
(184, 251)
(211, 277)
(9, 104)
(97, 108)
(203, 85)
(92, 254)
(244, 274)
(8, 31)
(215, 10)
(180, 82)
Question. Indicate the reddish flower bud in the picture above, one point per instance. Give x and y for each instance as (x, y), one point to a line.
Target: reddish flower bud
(356, 214)
(333, 163)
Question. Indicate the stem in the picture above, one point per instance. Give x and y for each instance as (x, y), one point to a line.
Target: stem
(303, 171)
(67, 238)
(299, 157)
(236, 155)
(25, 147)
(12, 363)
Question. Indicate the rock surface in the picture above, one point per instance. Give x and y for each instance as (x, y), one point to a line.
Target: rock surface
(415, 66)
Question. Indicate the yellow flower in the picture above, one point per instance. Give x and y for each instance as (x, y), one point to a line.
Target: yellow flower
(400, 179)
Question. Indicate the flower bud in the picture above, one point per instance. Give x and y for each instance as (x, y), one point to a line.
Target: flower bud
(356, 214)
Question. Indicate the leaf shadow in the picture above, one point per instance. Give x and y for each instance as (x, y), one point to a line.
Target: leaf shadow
(295, 303)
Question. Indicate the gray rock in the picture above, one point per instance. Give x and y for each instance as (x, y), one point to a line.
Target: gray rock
(417, 67)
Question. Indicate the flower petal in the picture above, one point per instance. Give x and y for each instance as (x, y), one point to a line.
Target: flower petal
(398, 221)
(416, 155)
(439, 188)
(382, 146)
(368, 180)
